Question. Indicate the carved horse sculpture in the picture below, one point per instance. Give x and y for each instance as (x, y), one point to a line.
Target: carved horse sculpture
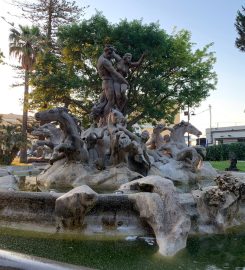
(178, 131)
(71, 147)
(178, 148)
(126, 147)
(157, 140)
(53, 135)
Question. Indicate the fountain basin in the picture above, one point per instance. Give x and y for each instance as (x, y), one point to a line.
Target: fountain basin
(113, 214)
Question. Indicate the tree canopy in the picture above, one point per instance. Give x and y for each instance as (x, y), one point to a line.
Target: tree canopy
(49, 15)
(23, 44)
(173, 74)
(240, 27)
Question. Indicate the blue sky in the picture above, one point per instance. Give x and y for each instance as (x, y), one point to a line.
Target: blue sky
(208, 21)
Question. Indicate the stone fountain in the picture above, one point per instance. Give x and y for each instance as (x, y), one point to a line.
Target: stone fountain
(107, 180)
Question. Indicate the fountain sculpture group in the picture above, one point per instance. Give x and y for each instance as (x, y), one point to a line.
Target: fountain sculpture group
(117, 182)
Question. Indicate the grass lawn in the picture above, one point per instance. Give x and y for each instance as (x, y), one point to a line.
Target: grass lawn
(16, 162)
(221, 165)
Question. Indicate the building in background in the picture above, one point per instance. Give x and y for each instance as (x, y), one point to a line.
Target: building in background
(225, 135)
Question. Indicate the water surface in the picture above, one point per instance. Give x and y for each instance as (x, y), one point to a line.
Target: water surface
(202, 253)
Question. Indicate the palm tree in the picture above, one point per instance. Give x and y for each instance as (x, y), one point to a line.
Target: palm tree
(1, 57)
(23, 44)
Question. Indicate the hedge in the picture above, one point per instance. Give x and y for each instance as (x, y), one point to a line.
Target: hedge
(224, 151)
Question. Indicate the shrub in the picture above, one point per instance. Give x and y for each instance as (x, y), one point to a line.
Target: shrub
(10, 142)
(224, 151)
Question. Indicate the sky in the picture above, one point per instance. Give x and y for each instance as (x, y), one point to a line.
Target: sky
(208, 21)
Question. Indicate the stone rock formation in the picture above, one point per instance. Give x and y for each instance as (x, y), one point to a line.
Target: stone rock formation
(63, 177)
(156, 201)
(218, 206)
(70, 209)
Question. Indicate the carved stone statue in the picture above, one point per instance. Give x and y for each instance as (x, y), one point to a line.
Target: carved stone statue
(157, 140)
(123, 66)
(53, 135)
(108, 156)
(139, 159)
(114, 83)
(108, 74)
(178, 148)
(71, 147)
(233, 163)
(118, 140)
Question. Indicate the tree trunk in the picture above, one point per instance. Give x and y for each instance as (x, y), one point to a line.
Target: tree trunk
(23, 150)
(135, 120)
(49, 23)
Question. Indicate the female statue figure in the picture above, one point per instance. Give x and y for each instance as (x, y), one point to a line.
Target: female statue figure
(123, 67)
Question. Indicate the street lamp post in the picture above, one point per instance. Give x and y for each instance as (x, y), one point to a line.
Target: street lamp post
(188, 113)
(188, 120)
(210, 122)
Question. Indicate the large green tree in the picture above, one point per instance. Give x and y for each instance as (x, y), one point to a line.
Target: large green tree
(51, 73)
(48, 15)
(240, 27)
(24, 45)
(173, 74)
(52, 82)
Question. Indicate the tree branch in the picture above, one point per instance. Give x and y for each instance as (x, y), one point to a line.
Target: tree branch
(135, 120)
(79, 104)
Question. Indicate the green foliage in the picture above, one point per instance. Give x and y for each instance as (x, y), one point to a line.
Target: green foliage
(49, 15)
(222, 165)
(223, 151)
(240, 27)
(52, 82)
(24, 45)
(11, 140)
(172, 75)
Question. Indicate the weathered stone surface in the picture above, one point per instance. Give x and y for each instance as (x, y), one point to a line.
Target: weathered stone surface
(109, 179)
(206, 172)
(113, 214)
(21, 208)
(230, 183)
(71, 207)
(188, 203)
(64, 176)
(3, 172)
(9, 182)
(176, 171)
(217, 209)
(61, 175)
(157, 203)
(239, 175)
(30, 184)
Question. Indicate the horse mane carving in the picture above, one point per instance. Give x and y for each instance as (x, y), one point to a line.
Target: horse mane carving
(71, 147)
(53, 135)
(178, 148)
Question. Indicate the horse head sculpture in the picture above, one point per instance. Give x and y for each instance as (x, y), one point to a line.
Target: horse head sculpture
(179, 130)
(71, 145)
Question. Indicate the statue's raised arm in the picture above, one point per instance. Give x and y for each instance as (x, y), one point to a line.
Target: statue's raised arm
(139, 62)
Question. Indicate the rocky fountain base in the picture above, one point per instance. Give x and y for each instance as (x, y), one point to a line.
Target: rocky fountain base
(110, 181)
(147, 206)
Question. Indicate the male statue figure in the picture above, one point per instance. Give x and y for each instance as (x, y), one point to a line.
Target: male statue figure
(108, 74)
